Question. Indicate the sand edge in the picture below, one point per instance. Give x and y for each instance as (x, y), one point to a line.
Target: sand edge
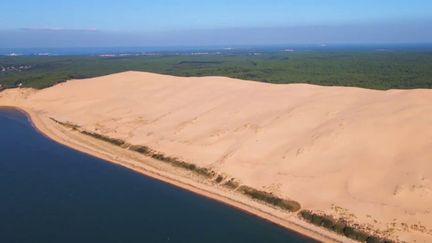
(45, 127)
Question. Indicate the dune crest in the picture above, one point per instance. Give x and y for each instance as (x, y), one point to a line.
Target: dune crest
(368, 152)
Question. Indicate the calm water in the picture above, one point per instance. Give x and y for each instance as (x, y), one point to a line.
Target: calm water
(50, 193)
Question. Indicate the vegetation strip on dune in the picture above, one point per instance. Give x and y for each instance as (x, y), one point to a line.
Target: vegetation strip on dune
(172, 160)
(338, 226)
(253, 193)
(231, 184)
(140, 149)
(269, 198)
(341, 227)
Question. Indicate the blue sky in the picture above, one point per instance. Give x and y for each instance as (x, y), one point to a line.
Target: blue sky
(198, 22)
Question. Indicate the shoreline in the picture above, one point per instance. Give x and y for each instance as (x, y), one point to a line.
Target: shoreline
(247, 205)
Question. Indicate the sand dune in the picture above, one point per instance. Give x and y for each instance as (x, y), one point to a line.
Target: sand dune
(352, 152)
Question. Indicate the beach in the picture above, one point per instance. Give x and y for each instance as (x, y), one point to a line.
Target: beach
(347, 152)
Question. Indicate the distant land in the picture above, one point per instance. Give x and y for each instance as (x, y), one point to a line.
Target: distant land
(383, 66)
(213, 49)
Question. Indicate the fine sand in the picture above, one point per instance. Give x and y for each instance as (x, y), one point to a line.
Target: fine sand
(360, 154)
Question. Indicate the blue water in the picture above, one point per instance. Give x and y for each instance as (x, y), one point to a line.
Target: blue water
(51, 193)
(173, 50)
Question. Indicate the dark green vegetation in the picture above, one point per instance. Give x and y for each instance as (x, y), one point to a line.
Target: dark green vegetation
(182, 164)
(142, 150)
(269, 198)
(172, 160)
(341, 227)
(114, 141)
(231, 184)
(219, 179)
(66, 124)
(155, 155)
(368, 69)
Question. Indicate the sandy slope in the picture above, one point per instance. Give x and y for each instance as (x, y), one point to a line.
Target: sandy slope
(353, 152)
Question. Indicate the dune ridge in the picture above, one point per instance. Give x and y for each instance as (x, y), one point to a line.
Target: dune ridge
(348, 152)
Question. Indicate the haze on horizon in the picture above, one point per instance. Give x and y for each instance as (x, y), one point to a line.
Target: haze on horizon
(98, 23)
